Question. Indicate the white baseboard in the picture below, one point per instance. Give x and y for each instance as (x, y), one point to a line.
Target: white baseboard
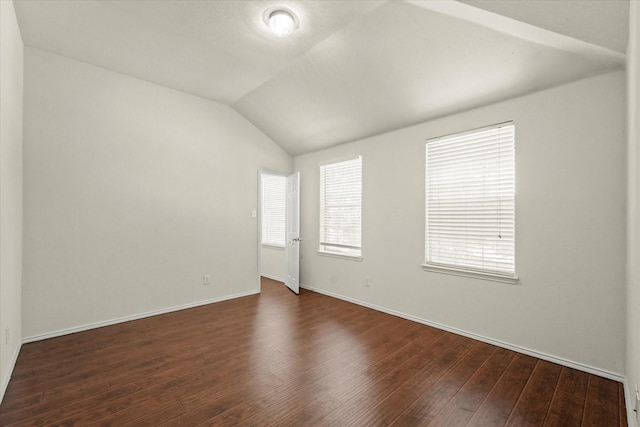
(7, 376)
(519, 349)
(87, 327)
(277, 279)
(630, 404)
(554, 359)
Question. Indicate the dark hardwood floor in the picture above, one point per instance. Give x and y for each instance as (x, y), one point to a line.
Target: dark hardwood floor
(282, 359)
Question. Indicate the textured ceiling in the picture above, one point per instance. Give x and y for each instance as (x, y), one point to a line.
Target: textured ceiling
(605, 23)
(216, 49)
(353, 69)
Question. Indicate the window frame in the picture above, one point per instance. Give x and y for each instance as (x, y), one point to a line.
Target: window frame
(469, 271)
(263, 212)
(322, 246)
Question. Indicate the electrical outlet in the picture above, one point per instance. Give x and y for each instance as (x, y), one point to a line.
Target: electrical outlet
(367, 283)
(6, 336)
(206, 279)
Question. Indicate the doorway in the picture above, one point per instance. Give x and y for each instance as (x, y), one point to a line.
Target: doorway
(279, 228)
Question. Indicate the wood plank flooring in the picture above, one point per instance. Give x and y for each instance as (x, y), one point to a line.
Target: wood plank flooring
(287, 360)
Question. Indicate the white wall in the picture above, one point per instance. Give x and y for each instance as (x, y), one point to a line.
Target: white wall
(11, 83)
(133, 191)
(633, 256)
(273, 263)
(570, 227)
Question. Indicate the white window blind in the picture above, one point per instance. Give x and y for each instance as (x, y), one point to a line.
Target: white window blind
(470, 201)
(273, 209)
(341, 207)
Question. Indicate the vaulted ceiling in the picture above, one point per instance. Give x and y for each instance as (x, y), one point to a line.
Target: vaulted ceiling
(352, 69)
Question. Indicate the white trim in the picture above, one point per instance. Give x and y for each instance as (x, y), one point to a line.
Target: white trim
(341, 188)
(494, 277)
(554, 359)
(343, 256)
(96, 325)
(261, 182)
(259, 223)
(339, 159)
(275, 247)
(470, 131)
(7, 376)
(259, 228)
(629, 404)
(277, 279)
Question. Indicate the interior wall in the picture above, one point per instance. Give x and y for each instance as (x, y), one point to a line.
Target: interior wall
(272, 263)
(570, 227)
(133, 192)
(11, 84)
(633, 257)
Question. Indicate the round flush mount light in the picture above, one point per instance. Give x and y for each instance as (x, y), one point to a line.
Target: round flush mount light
(281, 22)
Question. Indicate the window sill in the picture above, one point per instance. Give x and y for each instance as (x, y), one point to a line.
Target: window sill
(469, 273)
(280, 248)
(345, 257)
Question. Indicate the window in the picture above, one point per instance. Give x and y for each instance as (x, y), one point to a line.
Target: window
(341, 208)
(273, 209)
(470, 203)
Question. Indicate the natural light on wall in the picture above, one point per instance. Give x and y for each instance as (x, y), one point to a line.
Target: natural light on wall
(341, 208)
(470, 203)
(273, 209)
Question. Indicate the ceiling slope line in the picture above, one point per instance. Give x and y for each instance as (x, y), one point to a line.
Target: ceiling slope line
(521, 30)
(296, 59)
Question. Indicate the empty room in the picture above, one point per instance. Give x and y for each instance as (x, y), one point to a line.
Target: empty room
(319, 212)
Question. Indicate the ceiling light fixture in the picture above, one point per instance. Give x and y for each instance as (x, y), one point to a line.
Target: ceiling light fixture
(281, 22)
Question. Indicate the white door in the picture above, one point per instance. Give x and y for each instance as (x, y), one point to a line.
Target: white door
(292, 226)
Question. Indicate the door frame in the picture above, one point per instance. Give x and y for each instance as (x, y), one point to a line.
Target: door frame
(292, 245)
(259, 219)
